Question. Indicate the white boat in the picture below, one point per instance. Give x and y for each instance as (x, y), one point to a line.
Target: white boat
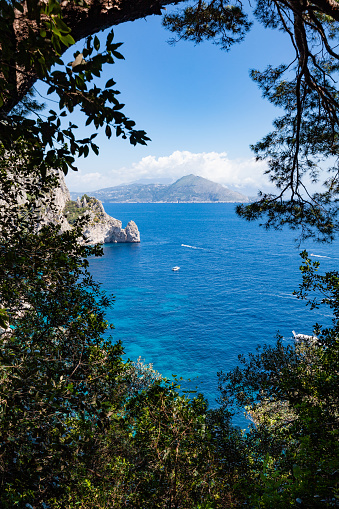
(304, 337)
(175, 268)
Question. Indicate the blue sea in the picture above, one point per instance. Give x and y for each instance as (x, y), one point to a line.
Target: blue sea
(233, 290)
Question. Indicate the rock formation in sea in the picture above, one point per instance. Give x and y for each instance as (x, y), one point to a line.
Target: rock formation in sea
(100, 228)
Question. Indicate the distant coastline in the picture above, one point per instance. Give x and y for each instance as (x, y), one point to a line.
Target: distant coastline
(171, 202)
(188, 189)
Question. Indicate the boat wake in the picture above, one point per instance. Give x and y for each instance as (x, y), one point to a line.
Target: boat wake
(319, 256)
(191, 247)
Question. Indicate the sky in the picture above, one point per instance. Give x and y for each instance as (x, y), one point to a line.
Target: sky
(196, 103)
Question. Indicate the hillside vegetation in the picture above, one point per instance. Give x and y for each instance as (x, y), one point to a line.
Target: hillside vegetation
(81, 427)
(189, 189)
(75, 209)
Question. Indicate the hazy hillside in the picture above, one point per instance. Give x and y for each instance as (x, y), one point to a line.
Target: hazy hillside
(187, 189)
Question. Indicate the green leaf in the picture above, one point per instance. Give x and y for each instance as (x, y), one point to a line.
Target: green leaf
(67, 40)
(61, 25)
(118, 107)
(110, 83)
(118, 55)
(95, 148)
(4, 319)
(96, 43)
(110, 37)
(108, 131)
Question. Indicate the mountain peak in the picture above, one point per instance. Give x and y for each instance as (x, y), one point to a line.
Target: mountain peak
(189, 188)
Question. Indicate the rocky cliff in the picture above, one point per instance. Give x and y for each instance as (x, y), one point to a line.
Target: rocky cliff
(101, 228)
(54, 211)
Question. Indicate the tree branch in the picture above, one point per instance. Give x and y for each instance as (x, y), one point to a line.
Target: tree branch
(83, 21)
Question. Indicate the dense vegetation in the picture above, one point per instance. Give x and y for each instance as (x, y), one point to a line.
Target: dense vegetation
(73, 211)
(79, 426)
(82, 428)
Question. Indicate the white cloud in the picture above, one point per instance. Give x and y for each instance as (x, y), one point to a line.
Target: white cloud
(246, 175)
(239, 173)
(81, 181)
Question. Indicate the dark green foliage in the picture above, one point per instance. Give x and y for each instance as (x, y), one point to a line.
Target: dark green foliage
(304, 143)
(79, 430)
(79, 427)
(38, 55)
(72, 211)
(325, 291)
(177, 462)
(292, 395)
(58, 376)
(28, 105)
(300, 144)
(222, 23)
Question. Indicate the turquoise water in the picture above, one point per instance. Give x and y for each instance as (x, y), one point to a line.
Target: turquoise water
(232, 292)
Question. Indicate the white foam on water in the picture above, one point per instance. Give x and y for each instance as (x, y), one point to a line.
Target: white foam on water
(281, 295)
(319, 256)
(191, 247)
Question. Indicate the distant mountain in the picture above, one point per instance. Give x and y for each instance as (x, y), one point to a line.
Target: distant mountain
(188, 189)
(162, 180)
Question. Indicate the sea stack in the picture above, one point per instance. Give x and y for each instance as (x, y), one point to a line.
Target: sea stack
(100, 228)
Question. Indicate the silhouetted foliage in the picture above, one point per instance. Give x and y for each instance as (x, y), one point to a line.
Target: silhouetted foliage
(291, 393)
(304, 143)
(79, 426)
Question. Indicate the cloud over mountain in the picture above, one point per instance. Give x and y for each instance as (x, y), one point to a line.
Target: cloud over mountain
(211, 165)
(246, 175)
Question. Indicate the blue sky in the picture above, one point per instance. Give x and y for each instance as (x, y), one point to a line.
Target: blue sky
(196, 103)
